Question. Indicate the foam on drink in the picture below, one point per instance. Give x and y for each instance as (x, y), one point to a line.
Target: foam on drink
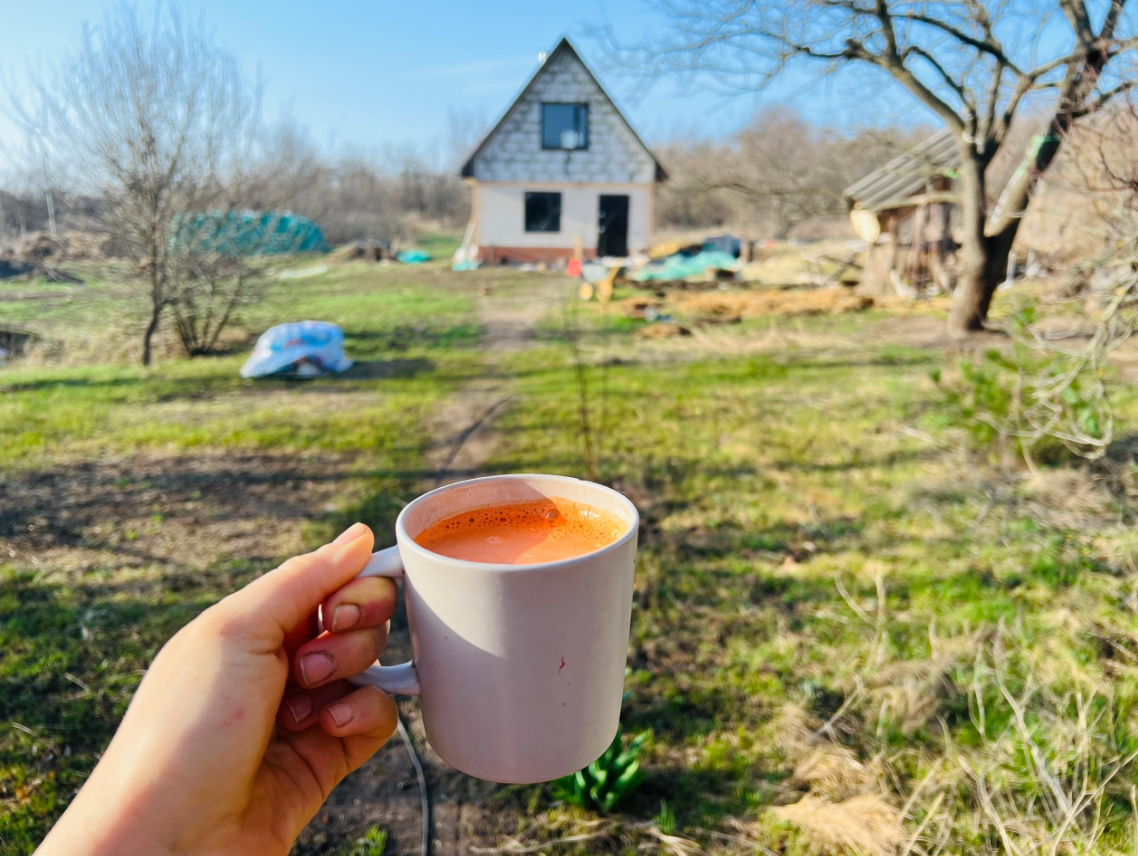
(523, 533)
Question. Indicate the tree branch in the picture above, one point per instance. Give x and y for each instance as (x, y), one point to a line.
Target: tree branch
(1110, 22)
(1103, 98)
(1077, 17)
(989, 45)
(955, 86)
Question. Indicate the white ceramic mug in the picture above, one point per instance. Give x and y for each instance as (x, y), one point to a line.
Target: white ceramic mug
(519, 668)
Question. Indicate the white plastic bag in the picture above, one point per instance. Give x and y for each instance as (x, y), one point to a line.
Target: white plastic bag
(298, 349)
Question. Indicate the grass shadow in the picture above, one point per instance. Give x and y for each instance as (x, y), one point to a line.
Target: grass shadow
(371, 369)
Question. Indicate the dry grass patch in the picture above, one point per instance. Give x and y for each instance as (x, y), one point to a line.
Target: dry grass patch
(734, 306)
(832, 772)
(865, 825)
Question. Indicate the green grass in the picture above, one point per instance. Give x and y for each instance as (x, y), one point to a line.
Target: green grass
(74, 643)
(410, 339)
(441, 245)
(825, 571)
(766, 483)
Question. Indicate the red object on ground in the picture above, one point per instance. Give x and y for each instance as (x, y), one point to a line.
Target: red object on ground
(574, 267)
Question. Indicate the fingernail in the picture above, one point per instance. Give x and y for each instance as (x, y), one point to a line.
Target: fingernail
(300, 706)
(341, 714)
(316, 667)
(345, 616)
(350, 534)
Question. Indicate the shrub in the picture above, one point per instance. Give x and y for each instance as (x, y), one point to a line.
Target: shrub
(1036, 403)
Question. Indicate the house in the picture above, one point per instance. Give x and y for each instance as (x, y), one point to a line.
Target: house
(904, 211)
(561, 169)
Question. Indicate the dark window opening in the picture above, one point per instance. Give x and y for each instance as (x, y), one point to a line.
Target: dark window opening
(543, 212)
(564, 126)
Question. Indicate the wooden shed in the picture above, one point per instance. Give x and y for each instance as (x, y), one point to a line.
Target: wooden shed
(904, 211)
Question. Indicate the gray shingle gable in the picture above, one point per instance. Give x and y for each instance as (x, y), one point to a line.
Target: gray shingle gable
(512, 151)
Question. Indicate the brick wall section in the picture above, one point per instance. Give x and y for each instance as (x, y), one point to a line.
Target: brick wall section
(614, 154)
(520, 255)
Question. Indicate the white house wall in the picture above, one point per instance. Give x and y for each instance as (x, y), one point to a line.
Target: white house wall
(614, 155)
(501, 214)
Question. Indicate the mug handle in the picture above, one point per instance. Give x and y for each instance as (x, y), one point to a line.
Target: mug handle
(393, 680)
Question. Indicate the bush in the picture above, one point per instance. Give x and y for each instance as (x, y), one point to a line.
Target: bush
(1037, 403)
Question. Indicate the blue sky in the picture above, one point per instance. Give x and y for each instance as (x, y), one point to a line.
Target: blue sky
(364, 75)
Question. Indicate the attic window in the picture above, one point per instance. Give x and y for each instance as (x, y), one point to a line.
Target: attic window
(543, 212)
(564, 126)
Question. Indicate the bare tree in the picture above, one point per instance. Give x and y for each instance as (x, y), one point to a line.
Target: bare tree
(156, 118)
(973, 63)
(772, 175)
(287, 168)
(464, 130)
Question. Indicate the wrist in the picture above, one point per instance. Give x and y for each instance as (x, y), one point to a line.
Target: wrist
(104, 822)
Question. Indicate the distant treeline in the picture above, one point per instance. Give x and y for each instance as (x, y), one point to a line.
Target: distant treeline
(353, 196)
(776, 173)
(768, 178)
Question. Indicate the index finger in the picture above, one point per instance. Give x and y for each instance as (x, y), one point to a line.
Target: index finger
(272, 606)
(363, 602)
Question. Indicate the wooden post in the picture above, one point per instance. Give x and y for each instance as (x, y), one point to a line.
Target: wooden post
(915, 248)
(880, 257)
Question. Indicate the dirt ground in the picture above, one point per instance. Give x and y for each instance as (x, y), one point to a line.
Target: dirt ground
(385, 791)
(76, 517)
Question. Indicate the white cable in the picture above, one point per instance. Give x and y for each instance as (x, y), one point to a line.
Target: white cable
(426, 849)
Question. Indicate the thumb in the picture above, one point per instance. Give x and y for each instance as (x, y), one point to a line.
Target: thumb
(274, 604)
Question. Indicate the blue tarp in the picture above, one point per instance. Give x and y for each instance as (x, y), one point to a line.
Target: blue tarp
(252, 233)
(680, 266)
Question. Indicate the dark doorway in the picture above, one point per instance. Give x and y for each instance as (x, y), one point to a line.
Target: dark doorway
(612, 230)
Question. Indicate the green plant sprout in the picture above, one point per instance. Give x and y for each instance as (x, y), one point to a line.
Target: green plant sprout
(606, 781)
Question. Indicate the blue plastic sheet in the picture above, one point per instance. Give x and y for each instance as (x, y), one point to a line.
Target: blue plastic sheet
(298, 349)
(413, 257)
(680, 266)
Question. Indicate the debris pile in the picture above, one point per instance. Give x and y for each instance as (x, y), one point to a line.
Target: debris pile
(413, 256)
(707, 264)
(365, 251)
(641, 307)
(821, 264)
(90, 246)
(722, 260)
(662, 330)
(727, 306)
(35, 257)
(377, 251)
(14, 341)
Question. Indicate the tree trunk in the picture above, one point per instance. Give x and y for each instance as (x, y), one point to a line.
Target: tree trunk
(156, 304)
(983, 258)
(988, 240)
(151, 329)
(984, 269)
(973, 292)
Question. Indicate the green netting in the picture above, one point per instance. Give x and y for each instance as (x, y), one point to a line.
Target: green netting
(251, 233)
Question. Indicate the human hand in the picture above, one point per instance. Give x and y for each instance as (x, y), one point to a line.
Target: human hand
(244, 722)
